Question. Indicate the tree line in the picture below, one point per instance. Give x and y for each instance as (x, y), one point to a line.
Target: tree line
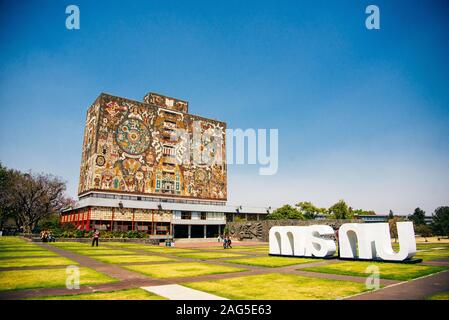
(307, 210)
(340, 210)
(27, 198)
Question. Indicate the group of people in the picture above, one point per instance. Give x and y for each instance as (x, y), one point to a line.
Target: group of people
(47, 236)
(226, 241)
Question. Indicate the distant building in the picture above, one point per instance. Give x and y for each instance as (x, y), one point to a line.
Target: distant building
(384, 218)
(376, 218)
(153, 167)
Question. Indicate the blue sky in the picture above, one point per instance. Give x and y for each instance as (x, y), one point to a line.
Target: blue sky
(362, 114)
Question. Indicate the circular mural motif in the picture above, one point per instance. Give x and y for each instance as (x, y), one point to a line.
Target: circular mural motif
(100, 161)
(133, 136)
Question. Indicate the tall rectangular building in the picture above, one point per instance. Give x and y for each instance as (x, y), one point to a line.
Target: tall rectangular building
(151, 166)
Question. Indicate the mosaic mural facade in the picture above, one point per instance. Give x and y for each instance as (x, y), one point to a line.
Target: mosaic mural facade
(152, 148)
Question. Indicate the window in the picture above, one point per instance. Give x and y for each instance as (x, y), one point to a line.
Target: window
(186, 215)
(203, 215)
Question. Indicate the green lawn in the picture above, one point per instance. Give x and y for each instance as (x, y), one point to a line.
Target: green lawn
(35, 262)
(176, 270)
(20, 248)
(272, 262)
(132, 258)
(12, 240)
(71, 245)
(149, 248)
(169, 250)
(87, 249)
(425, 246)
(209, 255)
(48, 278)
(394, 271)
(18, 254)
(128, 245)
(128, 294)
(238, 247)
(275, 286)
(439, 296)
(433, 254)
(99, 252)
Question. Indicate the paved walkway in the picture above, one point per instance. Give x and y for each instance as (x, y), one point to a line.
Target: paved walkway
(417, 289)
(178, 292)
(172, 288)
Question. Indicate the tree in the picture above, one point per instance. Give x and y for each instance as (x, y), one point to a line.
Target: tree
(418, 217)
(440, 224)
(340, 210)
(8, 208)
(393, 227)
(423, 230)
(285, 212)
(361, 212)
(390, 215)
(36, 196)
(309, 211)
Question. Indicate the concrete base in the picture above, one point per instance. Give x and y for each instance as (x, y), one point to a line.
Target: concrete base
(291, 256)
(408, 261)
(184, 240)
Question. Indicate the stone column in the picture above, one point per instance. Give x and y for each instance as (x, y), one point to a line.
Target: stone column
(189, 228)
(205, 232)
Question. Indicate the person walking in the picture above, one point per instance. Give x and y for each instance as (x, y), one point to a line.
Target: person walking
(229, 242)
(95, 237)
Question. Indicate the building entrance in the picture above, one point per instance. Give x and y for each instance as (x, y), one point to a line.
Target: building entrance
(197, 231)
(181, 231)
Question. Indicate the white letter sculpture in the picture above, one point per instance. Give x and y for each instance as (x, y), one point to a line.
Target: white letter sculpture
(374, 241)
(304, 241)
(364, 241)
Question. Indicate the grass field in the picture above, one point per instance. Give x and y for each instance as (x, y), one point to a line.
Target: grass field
(394, 271)
(34, 253)
(49, 278)
(131, 259)
(177, 270)
(150, 248)
(19, 247)
(433, 254)
(439, 296)
(272, 262)
(209, 255)
(276, 286)
(71, 245)
(101, 252)
(128, 294)
(35, 262)
(168, 263)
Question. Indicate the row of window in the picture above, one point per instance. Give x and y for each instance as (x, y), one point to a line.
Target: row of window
(153, 199)
(188, 215)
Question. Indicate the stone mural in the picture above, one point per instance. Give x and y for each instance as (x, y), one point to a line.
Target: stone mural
(153, 147)
(259, 230)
